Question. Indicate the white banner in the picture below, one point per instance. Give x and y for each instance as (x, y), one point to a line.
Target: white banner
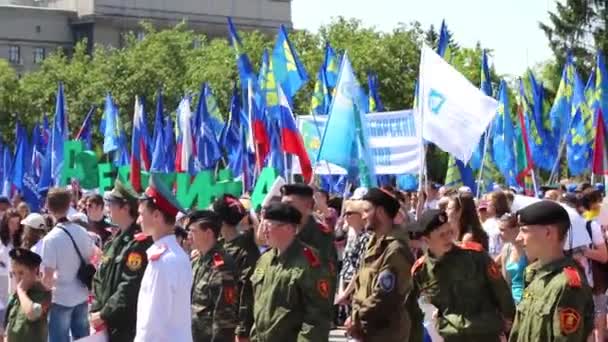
(392, 137)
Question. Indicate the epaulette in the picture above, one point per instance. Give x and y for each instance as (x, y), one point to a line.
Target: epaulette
(418, 264)
(218, 261)
(324, 228)
(156, 254)
(311, 257)
(473, 246)
(139, 237)
(573, 277)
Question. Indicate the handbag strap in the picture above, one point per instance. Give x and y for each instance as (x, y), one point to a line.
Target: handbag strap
(60, 226)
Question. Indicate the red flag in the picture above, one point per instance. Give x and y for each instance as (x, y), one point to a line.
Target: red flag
(291, 139)
(599, 146)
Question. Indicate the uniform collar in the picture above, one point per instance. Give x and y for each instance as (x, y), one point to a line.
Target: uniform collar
(536, 270)
(289, 253)
(208, 257)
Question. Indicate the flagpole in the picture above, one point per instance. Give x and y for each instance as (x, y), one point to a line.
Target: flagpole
(483, 159)
(557, 161)
(331, 182)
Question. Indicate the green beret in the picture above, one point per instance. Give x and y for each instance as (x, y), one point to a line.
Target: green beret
(282, 212)
(382, 198)
(299, 189)
(25, 257)
(544, 212)
(432, 219)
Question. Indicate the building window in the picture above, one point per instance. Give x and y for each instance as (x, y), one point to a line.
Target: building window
(14, 54)
(38, 29)
(39, 55)
(141, 35)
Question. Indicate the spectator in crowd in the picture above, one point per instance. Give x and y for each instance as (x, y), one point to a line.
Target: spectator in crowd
(431, 196)
(5, 204)
(181, 235)
(512, 258)
(68, 314)
(34, 229)
(23, 209)
(462, 217)
(498, 205)
(98, 223)
(11, 233)
(27, 309)
(163, 304)
(482, 211)
(355, 248)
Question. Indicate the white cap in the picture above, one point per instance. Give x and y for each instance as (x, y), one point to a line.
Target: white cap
(359, 193)
(35, 221)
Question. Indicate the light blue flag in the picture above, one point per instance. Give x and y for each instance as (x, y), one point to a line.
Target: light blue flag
(288, 69)
(346, 123)
(109, 126)
(503, 148)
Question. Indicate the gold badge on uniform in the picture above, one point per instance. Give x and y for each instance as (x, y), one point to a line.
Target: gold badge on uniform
(569, 320)
(323, 288)
(134, 261)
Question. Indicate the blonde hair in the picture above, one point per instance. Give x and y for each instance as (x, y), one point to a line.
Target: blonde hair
(357, 206)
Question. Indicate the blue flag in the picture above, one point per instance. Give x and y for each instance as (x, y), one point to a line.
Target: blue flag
(109, 126)
(288, 69)
(159, 157)
(503, 146)
(207, 148)
(85, 134)
(53, 160)
(331, 66)
(169, 138)
(21, 157)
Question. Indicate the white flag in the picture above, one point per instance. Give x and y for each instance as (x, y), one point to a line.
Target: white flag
(454, 112)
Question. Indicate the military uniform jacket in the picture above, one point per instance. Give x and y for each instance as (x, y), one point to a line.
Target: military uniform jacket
(320, 237)
(18, 326)
(467, 288)
(245, 254)
(557, 304)
(291, 292)
(214, 297)
(117, 281)
(382, 287)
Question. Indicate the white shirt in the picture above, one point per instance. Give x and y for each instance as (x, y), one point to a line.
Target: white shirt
(494, 240)
(163, 305)
(59, 254)
(37, 248)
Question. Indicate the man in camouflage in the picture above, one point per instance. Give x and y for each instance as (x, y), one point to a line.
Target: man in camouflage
(290, 284)
(557, 304)
(463, 283)
(117, 281)
(214, 290)
(381, 309)
(243, 250)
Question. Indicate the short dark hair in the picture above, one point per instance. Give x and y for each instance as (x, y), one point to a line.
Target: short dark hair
(58, 200)
(95, 199)
(169, 219)
(589, 197)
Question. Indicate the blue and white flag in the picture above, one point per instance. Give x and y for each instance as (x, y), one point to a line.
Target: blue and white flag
(454, 112)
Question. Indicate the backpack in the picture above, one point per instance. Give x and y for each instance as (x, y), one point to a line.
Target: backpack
(599, 270)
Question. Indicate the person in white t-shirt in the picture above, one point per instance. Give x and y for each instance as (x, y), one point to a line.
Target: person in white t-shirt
(497, 206)
(34, 229)
(68, 315)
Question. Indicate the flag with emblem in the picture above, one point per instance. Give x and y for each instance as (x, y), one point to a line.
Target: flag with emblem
(534, 104)
(374, 101)
(331, 66)
(242, 60)
(267, 97)
(109, 126)
(53, 160)
(454, 112)
(560, 114)
(580, 134)
(288, 69)
(502, 142)
(321, 98)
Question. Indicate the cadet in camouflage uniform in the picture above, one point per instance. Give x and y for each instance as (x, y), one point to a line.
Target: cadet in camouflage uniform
(557, 304)
(27, 322)
(473, 301)
(245, 253)
(311, 231)
(214, 290)
(381, 310)
(290, 285)
(117, 281)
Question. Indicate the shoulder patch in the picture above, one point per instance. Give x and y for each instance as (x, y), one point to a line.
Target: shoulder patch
(218, 260)
(386, 281)
(140, 237)
(418, 264)
(472, 246)
(573, 277)
(229, 295)
(569, 320)
(134, 261)
(313, 260)
(323, 288)
(323, 227)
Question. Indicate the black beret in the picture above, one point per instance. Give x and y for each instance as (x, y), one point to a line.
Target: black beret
(25, 257)
(544, 212)
(384, 199)
(432, 219)
(229, 209)
(299, 189)
(205, 218)
(282, 212)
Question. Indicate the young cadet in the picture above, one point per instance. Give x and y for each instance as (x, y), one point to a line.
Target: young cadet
(214, 295)
(290, 284)
(245, 253)
(26, 314)
(473, 300)
(557, 304)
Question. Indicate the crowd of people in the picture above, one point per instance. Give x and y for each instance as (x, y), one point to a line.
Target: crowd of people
(384, 264)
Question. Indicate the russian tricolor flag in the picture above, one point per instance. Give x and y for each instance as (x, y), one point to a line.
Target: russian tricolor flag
(140, 153)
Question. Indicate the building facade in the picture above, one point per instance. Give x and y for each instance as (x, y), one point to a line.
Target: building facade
(31, 29)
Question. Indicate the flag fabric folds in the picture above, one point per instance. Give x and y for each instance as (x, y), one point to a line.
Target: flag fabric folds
(454, 112)
(600, 160)
(140, 144)
(109, 126)
(85, 134)
(503, 140)
(207, 148)
(184, 142)
(53, 160)
(288, 70)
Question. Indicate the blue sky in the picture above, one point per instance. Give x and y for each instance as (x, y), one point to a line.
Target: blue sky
(509, 27)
